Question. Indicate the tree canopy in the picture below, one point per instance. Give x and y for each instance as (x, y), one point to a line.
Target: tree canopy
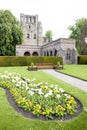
(10, 33)
(77, 32)
(49, 35)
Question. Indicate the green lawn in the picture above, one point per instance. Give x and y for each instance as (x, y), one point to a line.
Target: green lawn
(79, 71)
(11, 120)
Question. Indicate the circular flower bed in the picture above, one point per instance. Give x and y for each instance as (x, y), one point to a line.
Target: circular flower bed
(41, 99)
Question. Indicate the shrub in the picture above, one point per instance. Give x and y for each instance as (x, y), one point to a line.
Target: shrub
(58, 63)
(27, 60)
(82, 59)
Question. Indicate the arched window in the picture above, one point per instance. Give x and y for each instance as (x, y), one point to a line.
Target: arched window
(34, 36)
(68, 54)
(28, 35)
(68, 57)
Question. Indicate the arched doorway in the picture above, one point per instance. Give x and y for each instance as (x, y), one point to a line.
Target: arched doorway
(47, 53)
(35, 54)
(51, 53)
(55, 52)
(27, 53)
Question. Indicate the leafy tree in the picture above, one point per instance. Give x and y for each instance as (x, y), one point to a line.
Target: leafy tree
(76, 32)
(49, 35)
(10, 33)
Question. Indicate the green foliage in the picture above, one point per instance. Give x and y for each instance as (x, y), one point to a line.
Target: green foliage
(32, 65)
(10, 33)
(76, 31)
(27, 60)
(58, 63)
(82, 59)
(12, 61)
(49, 35)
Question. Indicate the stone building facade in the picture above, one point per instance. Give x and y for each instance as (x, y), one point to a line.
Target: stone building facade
(36, 45)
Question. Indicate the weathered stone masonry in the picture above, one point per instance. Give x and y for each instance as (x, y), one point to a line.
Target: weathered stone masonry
(36, 45)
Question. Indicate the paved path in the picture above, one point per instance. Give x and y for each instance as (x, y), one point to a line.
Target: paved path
(73, 81)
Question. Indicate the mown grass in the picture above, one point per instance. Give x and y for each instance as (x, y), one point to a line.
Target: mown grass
(79, 71)
(11, 120)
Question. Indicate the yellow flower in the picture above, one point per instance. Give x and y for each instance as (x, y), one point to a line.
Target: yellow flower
(42, 86)
(43, 113)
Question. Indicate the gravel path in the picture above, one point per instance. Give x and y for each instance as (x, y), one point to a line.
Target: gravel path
(73, 81)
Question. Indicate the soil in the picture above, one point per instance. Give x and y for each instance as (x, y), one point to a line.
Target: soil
(31, 116)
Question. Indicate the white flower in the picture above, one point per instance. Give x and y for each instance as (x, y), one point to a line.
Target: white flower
(5, 76)
(31, 92)
(40, 92)
(58, 96)
(61, 90)
(10, 74)
(39, 83)
(51, 85)
(56, 88)
(17, 85)
(33, 89)
(46, 83)
(66, 95)
(50, 92)
(13, 80)
(35, 85)
(46, 95)
(26, 87)
(46, 86)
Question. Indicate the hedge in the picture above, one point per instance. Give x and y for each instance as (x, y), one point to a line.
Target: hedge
(26, 60)
(82, 59)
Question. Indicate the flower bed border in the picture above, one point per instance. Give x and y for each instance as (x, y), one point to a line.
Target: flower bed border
(31, 116)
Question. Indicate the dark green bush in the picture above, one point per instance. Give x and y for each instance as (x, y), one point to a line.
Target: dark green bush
(82, 59)
(27, 60)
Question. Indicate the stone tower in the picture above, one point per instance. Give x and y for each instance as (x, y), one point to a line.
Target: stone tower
(32, 29)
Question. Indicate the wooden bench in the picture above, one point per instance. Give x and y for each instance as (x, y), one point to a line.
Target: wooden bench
(44, 65)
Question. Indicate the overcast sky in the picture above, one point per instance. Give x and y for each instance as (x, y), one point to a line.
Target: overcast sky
(55, 15)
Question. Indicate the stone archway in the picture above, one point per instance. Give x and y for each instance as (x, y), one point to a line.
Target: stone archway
(27, 53)
(55, 52)
(35, 54)
(51, 53)
(47, 53)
